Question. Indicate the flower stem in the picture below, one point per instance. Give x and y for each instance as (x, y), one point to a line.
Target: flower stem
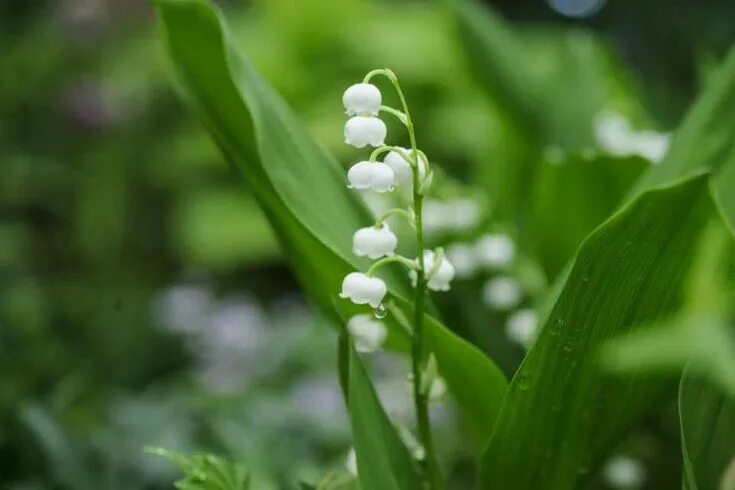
(399, 211)
(388, 260)
(421, 402)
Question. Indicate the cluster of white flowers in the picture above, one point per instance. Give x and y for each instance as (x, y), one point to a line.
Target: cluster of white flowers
(489, 252)
(615, 135)
(362, 102)
(456, 215)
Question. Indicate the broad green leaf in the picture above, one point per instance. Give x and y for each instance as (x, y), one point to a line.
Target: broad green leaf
(705, 136)
(383, 461)
(707, 431)
(561, 412)
(300, 188)
(206, 471)
(571, 196)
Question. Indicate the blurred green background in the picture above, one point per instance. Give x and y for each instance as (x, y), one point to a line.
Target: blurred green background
(144, 299)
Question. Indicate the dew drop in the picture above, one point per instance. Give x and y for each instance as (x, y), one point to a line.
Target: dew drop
(380, 312)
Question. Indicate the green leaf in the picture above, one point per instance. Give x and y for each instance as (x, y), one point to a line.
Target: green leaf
(571, 196)
(704, 139)
(206, 472)
(298, 185)
(383, 461)
(561, 413)
(707, 431)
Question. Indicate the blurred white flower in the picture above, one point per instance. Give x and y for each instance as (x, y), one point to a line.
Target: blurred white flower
(522, 327)
(495, 251)
(362, 289)
(362, 99)
(376, 176)
(401, 168)
(367, 333)
(351, 462)
(443, 275)
(373, 242)
(361, 131)
(615, 135)
(624, 472)
(455, 215)
(183, 308)
(463, 258)
(653, 145)
(502, 293)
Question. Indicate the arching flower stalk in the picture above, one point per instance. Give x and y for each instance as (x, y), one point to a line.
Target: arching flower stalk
(407, 168)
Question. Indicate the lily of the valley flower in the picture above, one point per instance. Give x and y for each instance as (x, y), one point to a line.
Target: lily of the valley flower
(362, 289)
(373, 242)
(375, 176)
(522, 327)
(401, 168)
(495, 251)
(367, 333)
(502, 293)
(362, 99)
(443, 275)
(361, 131)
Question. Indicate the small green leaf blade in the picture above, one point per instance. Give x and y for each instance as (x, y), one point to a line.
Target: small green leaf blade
(707, 418)
(383, 461)
(562, 412)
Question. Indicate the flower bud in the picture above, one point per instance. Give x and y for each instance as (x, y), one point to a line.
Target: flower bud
(402, 169)
(361, 131)
(367, 333)
(371, 175)
(443, 276)
(502, 293)
(362, 99)
(351, 462)
(373, 242)
(362, 289)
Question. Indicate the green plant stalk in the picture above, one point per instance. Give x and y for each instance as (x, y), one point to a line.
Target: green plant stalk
(421, 402)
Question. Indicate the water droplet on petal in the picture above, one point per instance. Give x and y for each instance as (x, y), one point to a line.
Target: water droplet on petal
(380, 312)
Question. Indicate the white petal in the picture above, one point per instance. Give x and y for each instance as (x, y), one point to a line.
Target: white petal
(374, 242)
(360, 175)
(383, 178)
(361, 131)
(367, 332)
(522, 327)
(362, 99)
(496, 251)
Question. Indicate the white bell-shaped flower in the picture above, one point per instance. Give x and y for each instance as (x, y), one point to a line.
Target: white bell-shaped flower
(443, 276)
(361, 131)
(367, 332)
(362, 99)
(463, 258)
(502, 293)
(522, 327)
(495, 251)
(362, 289)
(401, 168)
(374, 243)
(375, 176)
